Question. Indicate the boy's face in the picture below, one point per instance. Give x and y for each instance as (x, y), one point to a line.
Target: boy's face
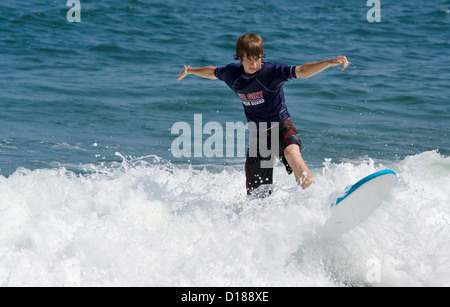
(251, 64)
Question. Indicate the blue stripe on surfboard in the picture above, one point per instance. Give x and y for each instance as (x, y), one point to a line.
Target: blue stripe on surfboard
(363, 181)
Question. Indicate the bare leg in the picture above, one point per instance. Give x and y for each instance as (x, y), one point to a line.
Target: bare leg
(301, 171)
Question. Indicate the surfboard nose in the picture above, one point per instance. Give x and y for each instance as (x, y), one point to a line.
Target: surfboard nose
(359, 201)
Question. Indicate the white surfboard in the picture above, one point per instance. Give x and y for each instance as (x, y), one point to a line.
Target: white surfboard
(360, 200)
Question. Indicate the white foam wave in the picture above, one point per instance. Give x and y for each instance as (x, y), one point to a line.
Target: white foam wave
(146, 222)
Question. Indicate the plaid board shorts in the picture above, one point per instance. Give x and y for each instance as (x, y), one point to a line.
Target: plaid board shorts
(260, 155)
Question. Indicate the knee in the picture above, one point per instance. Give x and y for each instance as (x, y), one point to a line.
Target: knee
(292, 151)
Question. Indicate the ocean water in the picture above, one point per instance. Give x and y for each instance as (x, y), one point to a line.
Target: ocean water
(91, 193)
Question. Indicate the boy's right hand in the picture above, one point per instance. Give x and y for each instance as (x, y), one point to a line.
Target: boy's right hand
(183, 73)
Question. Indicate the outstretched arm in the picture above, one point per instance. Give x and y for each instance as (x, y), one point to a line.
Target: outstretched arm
(310, 69)
(204, 72)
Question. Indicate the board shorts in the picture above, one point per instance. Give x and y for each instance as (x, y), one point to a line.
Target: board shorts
(259, 163)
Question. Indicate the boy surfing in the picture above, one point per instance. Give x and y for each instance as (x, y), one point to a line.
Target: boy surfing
(259, 86)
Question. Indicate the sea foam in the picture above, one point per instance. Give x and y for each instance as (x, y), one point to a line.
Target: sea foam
(147, 222)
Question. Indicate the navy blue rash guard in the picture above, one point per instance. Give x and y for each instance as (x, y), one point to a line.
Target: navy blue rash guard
(262, 92)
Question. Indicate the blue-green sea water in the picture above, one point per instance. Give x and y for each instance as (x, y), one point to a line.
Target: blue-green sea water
(91, 193)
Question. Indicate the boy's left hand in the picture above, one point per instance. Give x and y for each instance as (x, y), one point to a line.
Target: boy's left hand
(340, 60)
